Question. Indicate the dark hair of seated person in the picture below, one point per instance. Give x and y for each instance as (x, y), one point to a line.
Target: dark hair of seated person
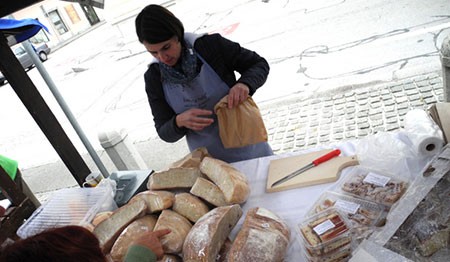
(64, 244)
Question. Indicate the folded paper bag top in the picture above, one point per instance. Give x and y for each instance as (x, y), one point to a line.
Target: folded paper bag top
(240, 126)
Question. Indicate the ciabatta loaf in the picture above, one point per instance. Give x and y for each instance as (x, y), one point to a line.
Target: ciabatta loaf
(109, 229)
(232, 182)
(207, 236)
(172, 178)
(133, 231)
(192, 159)
(208, 191)
(264, 237)
(189, 206)
(156, 201)
(179, 225)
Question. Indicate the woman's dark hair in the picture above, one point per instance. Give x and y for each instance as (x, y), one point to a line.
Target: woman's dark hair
(156, 24)
(68, 244)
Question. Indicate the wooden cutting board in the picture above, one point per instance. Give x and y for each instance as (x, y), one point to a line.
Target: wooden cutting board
(324, 173)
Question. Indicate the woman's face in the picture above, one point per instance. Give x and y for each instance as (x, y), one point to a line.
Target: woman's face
(167, 52)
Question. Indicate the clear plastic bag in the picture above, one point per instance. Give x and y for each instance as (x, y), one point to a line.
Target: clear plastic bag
(386, 153)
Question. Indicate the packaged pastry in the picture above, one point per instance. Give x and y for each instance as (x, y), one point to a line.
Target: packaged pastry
(363, 215)
(340, 255)
(325, 232)
(375, 187)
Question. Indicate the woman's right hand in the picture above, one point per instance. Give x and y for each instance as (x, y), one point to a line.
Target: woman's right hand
(194, 119)
(151, 240)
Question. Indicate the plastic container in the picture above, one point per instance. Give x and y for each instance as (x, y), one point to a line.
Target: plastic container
(363, 215)
(69, 206)
(342, 254)
(372, 186)
(325, 232)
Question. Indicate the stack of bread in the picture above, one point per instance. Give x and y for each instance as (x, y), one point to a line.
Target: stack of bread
(199, 199)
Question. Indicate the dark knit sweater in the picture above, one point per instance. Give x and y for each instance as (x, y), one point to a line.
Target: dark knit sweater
(225, 57)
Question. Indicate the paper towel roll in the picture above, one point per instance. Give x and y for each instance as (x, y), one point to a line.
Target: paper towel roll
(425, 135)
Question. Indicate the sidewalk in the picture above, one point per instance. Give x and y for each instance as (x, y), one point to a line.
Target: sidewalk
(293, 124)
(347, 113)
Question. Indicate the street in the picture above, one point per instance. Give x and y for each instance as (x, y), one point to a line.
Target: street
(313, 47)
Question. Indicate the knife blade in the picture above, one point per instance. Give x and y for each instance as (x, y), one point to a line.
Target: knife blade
(314, 163)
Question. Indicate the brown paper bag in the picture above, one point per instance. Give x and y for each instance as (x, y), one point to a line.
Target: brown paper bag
(240, 126)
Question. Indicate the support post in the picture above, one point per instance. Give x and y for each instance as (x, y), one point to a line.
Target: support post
(121, 151)
(41, 113)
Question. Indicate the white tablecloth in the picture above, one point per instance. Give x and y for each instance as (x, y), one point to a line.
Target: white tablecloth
(293, 205)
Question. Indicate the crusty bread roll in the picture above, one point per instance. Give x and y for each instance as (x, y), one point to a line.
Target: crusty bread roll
(207, 236)
(189, 206)
(156, 201)
(232, 182)
(172, 178)
(179, 225)
(208, 191)
(133, 231)
(264, 237)
(192, 159)
(109, 229)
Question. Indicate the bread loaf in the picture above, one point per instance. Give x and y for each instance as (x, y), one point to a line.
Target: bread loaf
(189, 206)
(208, 191)
(156, 201)
(173, 242)
(100, 217)
(170, 258)
(192, 159)
(172, 178)
(109, 229)
(231, 181)
(264, 237)
(207, 236)
(133, 231)
(224, 250)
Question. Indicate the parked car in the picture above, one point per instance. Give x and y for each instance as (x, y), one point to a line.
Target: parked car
(42, 50)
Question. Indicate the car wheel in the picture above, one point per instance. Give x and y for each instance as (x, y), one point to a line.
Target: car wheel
(43, 56)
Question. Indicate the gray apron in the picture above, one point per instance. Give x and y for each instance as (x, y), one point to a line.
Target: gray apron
(204, 92)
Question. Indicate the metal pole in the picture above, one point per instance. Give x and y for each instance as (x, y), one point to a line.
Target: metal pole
(64, 107)
(445, 61)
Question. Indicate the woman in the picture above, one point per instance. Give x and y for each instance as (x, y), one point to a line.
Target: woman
(189, 75)
(77, 244)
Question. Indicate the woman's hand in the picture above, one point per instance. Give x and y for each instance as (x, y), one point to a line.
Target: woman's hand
(238, 94)
(194, 119)
(152, 242)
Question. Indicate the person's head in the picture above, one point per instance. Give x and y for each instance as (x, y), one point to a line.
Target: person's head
(69, 243)
(161, 32)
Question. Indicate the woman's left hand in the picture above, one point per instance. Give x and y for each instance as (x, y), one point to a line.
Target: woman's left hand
(238, 94)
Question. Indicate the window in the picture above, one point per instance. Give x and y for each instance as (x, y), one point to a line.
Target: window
(58, 22)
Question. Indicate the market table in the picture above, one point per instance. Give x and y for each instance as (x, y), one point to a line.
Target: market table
(292, 205)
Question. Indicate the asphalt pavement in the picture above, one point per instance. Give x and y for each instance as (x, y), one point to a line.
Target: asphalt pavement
(103, 95)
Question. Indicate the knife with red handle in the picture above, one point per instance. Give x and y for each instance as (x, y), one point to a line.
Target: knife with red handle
(314, 163)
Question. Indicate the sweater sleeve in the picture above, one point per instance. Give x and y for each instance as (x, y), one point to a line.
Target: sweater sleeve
(138, 253)
(163, 114)
(226, 57)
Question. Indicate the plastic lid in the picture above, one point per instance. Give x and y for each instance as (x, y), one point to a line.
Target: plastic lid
(68, 206)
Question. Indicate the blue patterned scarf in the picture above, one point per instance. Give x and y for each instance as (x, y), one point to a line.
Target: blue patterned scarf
(185, 71)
